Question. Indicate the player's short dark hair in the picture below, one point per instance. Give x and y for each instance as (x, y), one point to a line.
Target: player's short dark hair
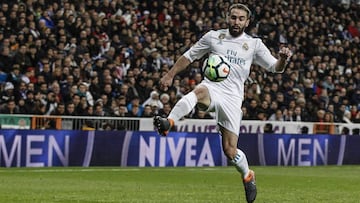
(241, 7)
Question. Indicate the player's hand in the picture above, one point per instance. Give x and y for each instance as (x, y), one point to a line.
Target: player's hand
(166, 82)
(285, 53)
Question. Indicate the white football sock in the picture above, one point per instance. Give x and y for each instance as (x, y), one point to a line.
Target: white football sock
(183, 106)
(241, 163)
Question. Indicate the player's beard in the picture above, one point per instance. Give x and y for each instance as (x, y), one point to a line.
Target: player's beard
(236, 32)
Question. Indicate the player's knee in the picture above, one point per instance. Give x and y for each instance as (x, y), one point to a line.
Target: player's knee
(201, 92)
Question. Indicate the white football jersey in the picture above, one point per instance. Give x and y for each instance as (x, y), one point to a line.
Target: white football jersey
(240, 51)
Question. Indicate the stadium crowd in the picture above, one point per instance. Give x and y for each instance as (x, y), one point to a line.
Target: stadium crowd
(105, 57)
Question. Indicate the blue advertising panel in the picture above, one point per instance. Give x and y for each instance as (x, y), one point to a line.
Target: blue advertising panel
(46, 148)
(300, 150)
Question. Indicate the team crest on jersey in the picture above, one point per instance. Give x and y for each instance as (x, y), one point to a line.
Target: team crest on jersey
(245, 46)
(221, 37)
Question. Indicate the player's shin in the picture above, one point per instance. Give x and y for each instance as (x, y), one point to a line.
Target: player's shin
(183, 106)
(241, 163)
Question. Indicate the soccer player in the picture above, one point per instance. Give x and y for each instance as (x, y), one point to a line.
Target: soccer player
(225, 98)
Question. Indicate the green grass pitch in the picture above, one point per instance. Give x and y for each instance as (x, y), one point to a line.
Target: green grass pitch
(205, 184)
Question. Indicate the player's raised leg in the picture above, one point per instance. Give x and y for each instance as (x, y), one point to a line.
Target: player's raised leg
(182, 108)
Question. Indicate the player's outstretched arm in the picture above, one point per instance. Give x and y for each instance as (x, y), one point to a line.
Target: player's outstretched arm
(180, 65)
(284, 55)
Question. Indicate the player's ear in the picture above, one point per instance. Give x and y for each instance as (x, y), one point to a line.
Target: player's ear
(247, 22)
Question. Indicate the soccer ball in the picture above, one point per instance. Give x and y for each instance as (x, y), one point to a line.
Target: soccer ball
(216, 68)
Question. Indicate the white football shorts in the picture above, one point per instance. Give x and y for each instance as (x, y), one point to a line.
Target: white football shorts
(227, 108)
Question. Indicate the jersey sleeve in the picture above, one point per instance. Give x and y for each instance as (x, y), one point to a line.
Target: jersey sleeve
(200, 48)
(263, 57)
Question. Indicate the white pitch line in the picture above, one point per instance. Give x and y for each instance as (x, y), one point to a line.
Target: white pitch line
(64, 170)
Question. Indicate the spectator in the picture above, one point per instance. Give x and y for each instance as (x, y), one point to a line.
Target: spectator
(40, 108)
(107, 42)
(324, 123)
(99, 110)
(147, 113)
(55, 87)
(121, 111)
(132, 91)
(304, 130)
(6, 60)
(22, 106)
(164, 112)
(345, 131)
(281, 100)
(253, 110)
(8, 93)
(14, 76)
(106, 103)
(83, 105)
(273, 108)
(142, 90)
(138, 110)
(50, 102)
(22, 58)
(268, 128)
(10, 108)
(95, 88)
(277, 116)
(347, 117)
(134, 111)
(83, 91)
(299, 114)
(30, 101)
(164, 98)
(69, 92)
(154, 100)
(70, 109)
(59, 111)
(124, 91)
(29, 76)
